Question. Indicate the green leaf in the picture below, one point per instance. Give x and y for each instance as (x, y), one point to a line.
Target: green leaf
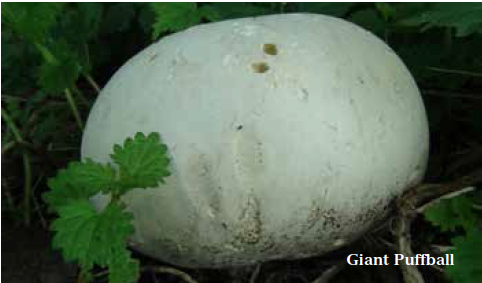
(387, 10)
(467, 266)
(223, 11)
(79, 181)
(449, 214)
(31, 20)
(100, 238)
(81, 23)
(123, 269)
(19, 61)
(369, 19)
(89, 18)
(466, 18)
(142, 161)
(61, 71)
(118, 18)
(326, 8)
(90, 238)
(174, 16)
(146, 19)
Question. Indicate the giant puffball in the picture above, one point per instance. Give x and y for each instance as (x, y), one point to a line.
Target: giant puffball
(289, 136)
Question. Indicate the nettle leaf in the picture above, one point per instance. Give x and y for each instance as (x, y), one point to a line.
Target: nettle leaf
(326, 8)
(100, 238)
(449, 214)
(19, 59)
(61, 70)
(123, 269)
(222, 11)
(142, 161)
(31, 20)
(91, 238)
(79, 181)
(81, 23)
(466, 18)
(467, 266)
(174, 16)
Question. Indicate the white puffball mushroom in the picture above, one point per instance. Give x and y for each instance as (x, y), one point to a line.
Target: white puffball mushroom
(289, 136)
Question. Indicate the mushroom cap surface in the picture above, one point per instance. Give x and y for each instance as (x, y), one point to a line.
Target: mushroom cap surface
(289, 136)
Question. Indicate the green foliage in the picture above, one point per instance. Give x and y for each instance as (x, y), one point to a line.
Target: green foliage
(142, 161)
(450, 214)
(466, 18)
(386, 10)
(467, 266)
(369, 19)
(80, 180)
(31, 21)
(100, 238)
(90, 238)
(333, 9)
(174, 16)
(223, 11)
(61, 70)
(80, 23)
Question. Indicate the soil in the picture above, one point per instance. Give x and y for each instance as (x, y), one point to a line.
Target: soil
(27, 256)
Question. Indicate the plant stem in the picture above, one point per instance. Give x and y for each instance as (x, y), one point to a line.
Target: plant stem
(87, 76)
(48, 56)
(26, 165)
(169, 270)
(92, 83)
(11, 125)
(37, 205)
(7, 147)
(459, 72)
(27, 187)
(74, 109)
(80, 94)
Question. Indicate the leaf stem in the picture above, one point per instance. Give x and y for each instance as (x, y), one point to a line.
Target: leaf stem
(27, 187)
(26, 165)
(48, 56)
(8, 146)
(459, 72)
(11, 125)
(80, 94)
(92, 83)
(73, 107)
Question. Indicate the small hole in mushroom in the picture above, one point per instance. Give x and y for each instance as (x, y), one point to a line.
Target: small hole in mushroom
(260, 67)
(270, 49)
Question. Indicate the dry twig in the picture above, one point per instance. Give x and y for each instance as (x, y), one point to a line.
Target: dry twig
(255, 273)
(330, 273)
(170, 270)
